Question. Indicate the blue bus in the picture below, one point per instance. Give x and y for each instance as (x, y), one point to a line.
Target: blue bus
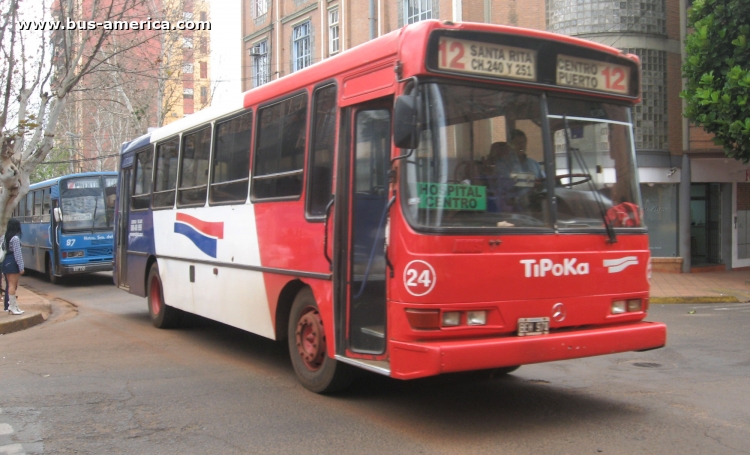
(67, 224)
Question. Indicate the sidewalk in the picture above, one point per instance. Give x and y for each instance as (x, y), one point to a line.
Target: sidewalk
(706, 287)
(36, 310)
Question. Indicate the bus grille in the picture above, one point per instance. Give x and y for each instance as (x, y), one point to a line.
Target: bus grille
(102, 251)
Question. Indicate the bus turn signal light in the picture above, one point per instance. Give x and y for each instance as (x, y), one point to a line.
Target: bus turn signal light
(423, 319)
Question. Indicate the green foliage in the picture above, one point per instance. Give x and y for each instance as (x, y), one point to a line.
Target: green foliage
(717, 69)
(47, 171)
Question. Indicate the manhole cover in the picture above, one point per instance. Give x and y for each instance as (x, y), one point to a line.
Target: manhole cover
(647, 364)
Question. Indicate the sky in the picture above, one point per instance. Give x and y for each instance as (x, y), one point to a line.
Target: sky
(226, 49)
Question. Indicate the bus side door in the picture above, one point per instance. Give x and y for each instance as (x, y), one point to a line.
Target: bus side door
(363, 215)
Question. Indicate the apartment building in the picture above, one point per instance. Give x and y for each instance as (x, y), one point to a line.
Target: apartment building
(696, 201)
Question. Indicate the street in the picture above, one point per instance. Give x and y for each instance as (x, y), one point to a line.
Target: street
(99, 378)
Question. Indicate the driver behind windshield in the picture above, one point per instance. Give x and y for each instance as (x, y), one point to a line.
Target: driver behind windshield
(517, 174)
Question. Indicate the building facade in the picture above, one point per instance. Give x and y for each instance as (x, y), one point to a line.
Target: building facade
(696, 201)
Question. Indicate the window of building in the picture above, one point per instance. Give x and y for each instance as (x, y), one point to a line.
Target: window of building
(187, 42)
(302, 52)
(196, 148)
(165, 180)
(259, 54)
(204, 95)
(204, 16)
(417, 10)
(334, 43)
(142, 181)
(187, 16)
(231, 162)
(280, 149)
(187, 68)
(323, 132)
(259, 8)
(187, 93)
(204, 45)
(204, 70)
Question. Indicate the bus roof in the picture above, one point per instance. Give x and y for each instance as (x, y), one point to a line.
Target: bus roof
(54, 180)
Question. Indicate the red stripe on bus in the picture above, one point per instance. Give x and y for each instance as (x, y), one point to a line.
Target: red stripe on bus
(212, 228)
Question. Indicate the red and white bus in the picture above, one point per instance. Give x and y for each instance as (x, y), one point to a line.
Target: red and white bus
(447, 197)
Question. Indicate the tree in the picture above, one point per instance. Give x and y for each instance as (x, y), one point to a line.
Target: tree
(717, 69)
(39, 70)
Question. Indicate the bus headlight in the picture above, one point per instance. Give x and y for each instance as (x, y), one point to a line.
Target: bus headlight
(635, 305)
(451, 318)
(476, 317)
(72, 254)
(619, 306)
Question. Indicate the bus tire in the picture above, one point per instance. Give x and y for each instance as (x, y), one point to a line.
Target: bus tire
(315, 369)
(53, 279)
(162, 315)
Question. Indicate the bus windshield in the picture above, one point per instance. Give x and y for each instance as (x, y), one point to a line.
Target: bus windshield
(480, 159)
(477, 164)
(88, 203)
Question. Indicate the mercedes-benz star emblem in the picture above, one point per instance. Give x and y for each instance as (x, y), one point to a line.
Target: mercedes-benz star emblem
(558, 312)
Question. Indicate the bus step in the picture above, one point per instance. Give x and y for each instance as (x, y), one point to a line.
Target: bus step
(374, 330)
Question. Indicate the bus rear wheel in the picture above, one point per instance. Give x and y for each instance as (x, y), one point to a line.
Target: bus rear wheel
(315, 369)
(162, 315)
(54, 279)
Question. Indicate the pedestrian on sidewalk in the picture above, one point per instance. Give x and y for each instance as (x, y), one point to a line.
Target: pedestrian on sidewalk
(12, 265)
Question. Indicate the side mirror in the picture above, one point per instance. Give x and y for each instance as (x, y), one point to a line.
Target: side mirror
(405, 122)
(58, 214)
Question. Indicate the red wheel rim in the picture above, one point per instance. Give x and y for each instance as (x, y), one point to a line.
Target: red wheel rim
(155, 296)
(311, 339)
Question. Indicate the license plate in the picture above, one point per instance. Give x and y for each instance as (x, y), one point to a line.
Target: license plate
(79, 269)
(533, 326)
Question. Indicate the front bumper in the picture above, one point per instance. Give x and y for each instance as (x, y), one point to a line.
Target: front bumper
(78, 269)
(410, 360)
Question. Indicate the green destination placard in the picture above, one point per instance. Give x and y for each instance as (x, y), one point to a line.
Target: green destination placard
(449, 196)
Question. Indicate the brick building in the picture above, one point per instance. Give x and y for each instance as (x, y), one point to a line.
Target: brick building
(696, 201)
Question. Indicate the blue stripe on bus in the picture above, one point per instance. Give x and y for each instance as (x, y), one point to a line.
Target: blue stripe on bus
(204, 243)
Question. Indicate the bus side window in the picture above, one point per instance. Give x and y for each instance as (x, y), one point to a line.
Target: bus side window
(142, 183)
(231, 162)
(38, 206)
(165, 180)
(323, 132)
(196, 148)
(280, 149)
(29, 218)
(21, 210)
(46, 205)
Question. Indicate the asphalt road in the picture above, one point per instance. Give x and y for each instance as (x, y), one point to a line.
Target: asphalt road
(98, 378)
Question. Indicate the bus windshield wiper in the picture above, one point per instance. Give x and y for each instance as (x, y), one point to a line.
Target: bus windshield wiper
(93, 221)
(576, 153)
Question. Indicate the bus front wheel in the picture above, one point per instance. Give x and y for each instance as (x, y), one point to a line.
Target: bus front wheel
(54, 279)
(315, 369)
(162, 315)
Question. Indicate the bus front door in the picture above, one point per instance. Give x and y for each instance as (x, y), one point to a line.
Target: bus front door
(370, 129)
(121, 267)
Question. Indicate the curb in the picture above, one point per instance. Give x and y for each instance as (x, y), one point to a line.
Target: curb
(29, 319)
(695, 299)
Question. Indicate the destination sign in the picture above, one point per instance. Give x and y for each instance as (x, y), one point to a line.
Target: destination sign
(83, 184)
(448, 196)
(592, 75)
(485, 59)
